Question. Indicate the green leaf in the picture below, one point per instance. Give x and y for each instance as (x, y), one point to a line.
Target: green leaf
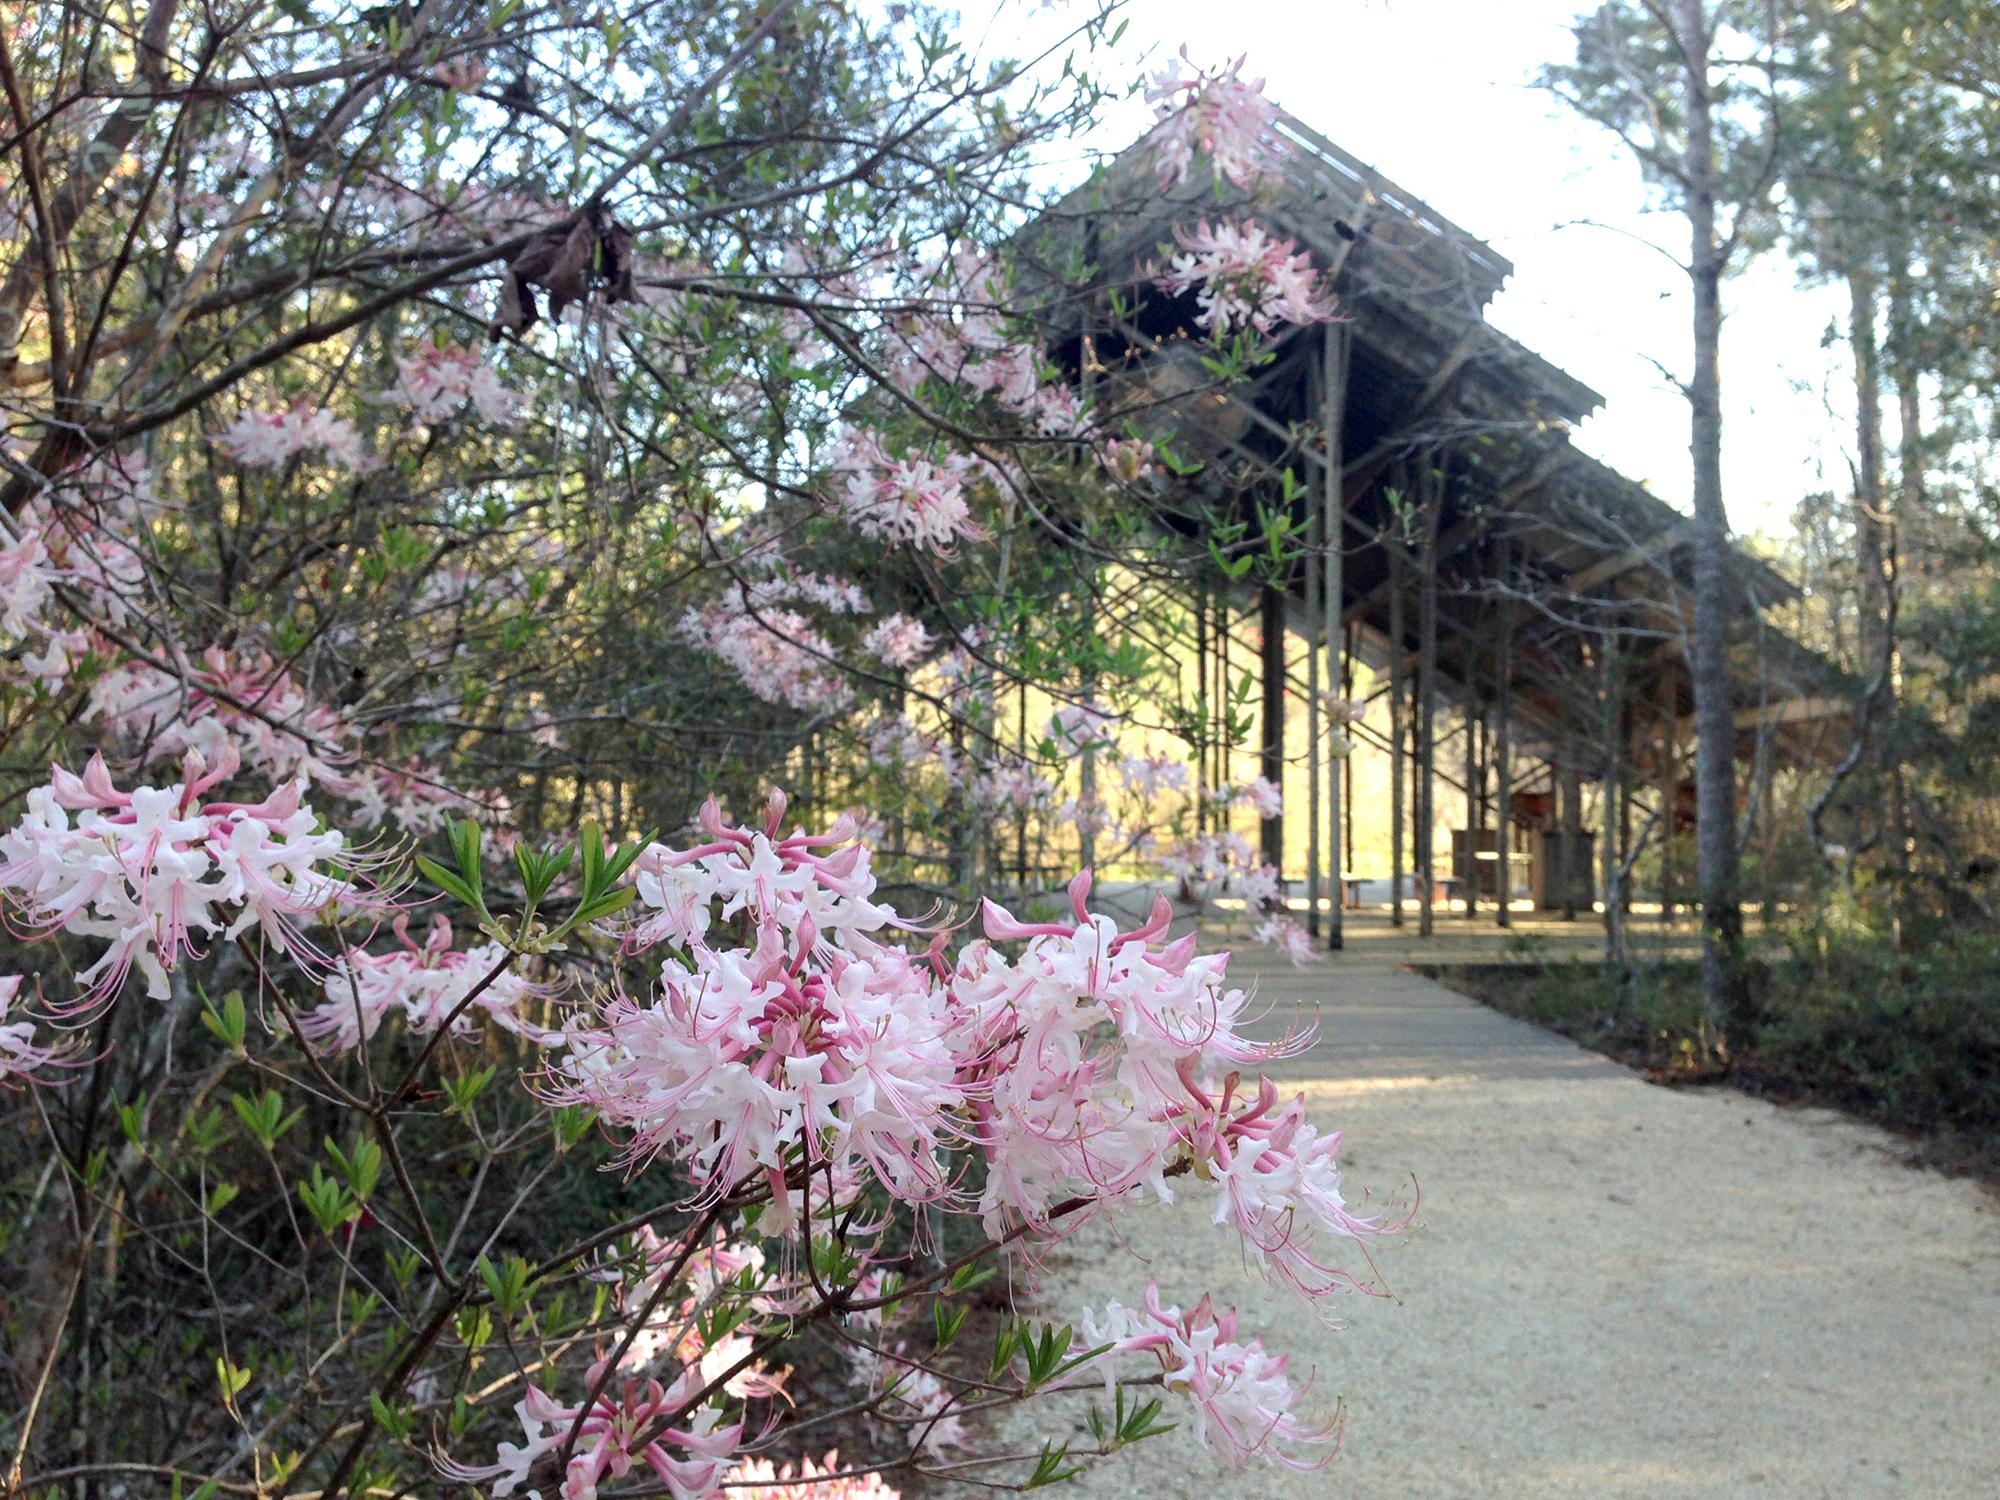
(449, 883)
(228, 1023)
(947, 1321)
(1049, 1468)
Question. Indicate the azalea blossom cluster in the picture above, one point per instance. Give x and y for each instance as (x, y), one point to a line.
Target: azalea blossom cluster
(28, 579)
(774, 649)
(22, 1058)
(794, 1041)
(1156, 774)
(1222, 857)
(826, 1480)
(1243, 277)
(1084, 725)
(262, 438)
(1259, 792)
(440, 379)
(239, 701)
(429, 983)
(961, 338)
(1289, 938)
(156, 871)
(625, 1425)
(898, 641)
(1240, 1397)
(911, 499)
(1219, 114)
(810, 1030)
(79, 538)
(239, 698)
(1013, 786)
(804, 1041)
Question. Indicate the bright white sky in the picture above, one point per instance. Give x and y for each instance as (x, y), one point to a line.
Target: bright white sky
(1436, 95)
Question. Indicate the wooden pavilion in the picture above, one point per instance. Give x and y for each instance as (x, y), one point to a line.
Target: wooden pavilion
(1457, 541)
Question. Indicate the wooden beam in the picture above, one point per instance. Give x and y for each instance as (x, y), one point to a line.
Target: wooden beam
(1363, 471)
(1644, 554)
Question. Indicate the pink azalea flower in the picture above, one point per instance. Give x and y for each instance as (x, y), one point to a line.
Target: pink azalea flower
(912, 500)
(1260, 793)
(20, 1055)
(426, 982)
(898, 641)
(155, 872)
(1217, 113)
(1289, 937)
(1155, 774)
(265, 439)
(1242, 278)
(440, 379)
(759, 1479)
(615, 1437)
(1276, 1183)
(1240, 1399)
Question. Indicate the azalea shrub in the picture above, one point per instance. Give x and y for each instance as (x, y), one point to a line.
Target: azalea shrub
(449, 453)
(361, 1161)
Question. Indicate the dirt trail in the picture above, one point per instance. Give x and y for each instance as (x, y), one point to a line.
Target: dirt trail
(1613, 1289)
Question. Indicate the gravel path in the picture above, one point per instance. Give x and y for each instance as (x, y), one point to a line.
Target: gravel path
(1612, 1289)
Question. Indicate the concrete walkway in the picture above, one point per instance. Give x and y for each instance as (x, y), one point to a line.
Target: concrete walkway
(1612, 1289)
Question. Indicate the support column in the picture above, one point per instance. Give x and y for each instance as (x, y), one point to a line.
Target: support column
(1503, 750)
(1021, 756)
(1398, 719)
(1314, 727)
(1670, 799)
(1475, 792)
(1767, 875)
(1086, 782)
(1611, 690)
(1570, 785)
(1333, 597)
(1200, 746)
(1344, 769)
(1271, 753)
(1224, 752)
(1625, 773)
(1433, 488)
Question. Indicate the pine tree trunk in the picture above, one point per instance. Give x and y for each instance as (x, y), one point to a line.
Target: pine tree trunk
(1868, 493)
(1724, 993)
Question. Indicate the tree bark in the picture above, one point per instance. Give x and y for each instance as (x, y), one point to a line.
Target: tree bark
(1869, 517)
(1724, 994)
